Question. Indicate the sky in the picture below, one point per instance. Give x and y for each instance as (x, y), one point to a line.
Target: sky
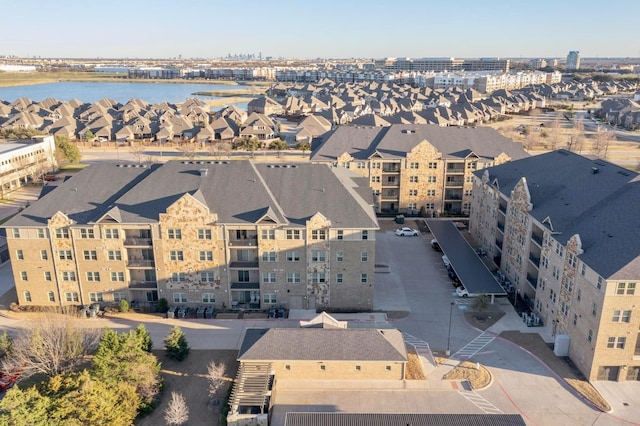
(319, 29)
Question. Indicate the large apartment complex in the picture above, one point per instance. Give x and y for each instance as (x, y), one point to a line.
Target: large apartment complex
(418, 166)
(563, 229)
(216, 233)
(23, 160)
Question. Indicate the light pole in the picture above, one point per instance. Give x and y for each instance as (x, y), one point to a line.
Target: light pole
(448, 352)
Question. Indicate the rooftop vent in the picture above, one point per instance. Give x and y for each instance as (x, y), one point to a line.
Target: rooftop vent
(203, 172)
(594, 170)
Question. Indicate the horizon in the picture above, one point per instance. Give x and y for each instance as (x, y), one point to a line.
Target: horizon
(286, 29)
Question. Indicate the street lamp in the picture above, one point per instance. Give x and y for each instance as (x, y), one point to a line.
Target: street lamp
(448, 352)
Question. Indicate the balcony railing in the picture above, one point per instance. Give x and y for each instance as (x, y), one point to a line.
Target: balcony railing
(537, 239)
(391, 168)
(533, 281)
(237, 264)
(140, 263)
(535, 260)
(502, 208)
(455, 169)
(140, 242)
(454, 184)
(499, 244)
(143, 285)
(249, 241)
(501, 227)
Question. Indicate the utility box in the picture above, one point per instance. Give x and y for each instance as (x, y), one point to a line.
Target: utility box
(400, 219)
(561, 345)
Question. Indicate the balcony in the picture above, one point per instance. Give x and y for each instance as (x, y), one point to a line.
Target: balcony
(143, 285)
(394, 184)
(500, 226)
(502, 209)
(537, 239)
(393, 196)
(452, 196)
(457, 183)
(534, 259)
(455, 170)
(533, 281)
(140, 263)
(244, 264)
(138, 242)
(499, 245)
(245, 286)
(251, 241)
(391, 168)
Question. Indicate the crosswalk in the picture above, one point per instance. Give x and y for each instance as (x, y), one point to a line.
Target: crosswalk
(473, 347)
(422, 347)
(480, 402)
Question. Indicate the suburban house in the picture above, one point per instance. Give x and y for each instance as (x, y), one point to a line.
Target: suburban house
(418, 166)
(216, 233)
(563, 229)
(264, 105)
(258, 125)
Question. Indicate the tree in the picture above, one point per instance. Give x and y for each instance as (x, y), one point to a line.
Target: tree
(123, 305)
(189, 149)
(577, 135)
(5, 344)
(25, 407)
(555, 131)
(215, 375)
(137, 150)
(51, 346)
(248, 143)
(175, 344)
(303, 146)
(66, 150)
(88, 135)
(163, 305)
(278, 145)
(145, 338)
(601, 140)
(177, 412)
(480, 304)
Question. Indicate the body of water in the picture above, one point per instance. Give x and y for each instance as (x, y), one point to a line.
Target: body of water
(120, 92)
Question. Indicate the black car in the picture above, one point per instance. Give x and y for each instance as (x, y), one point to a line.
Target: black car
(435, 245)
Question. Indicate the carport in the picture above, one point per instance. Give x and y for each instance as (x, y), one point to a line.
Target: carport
(472, 272)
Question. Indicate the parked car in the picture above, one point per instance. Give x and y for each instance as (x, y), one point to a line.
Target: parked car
(445, 260)
(435, 245)
(462, 292)
(404, 232)
(50, 178)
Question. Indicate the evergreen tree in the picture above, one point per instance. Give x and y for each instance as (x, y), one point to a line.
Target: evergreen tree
(144, 336)
(175, 344)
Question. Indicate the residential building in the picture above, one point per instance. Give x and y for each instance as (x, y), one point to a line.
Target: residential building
(563, 229)
(411, 167)
(573, 61)
(24, 160)
(217, 233)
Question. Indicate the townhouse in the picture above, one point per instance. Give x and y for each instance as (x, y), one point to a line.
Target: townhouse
(563, 229)
(417, 167)
(217, 233)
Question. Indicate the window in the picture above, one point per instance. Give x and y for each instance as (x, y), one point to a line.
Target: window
(375, 179)
(364, 278)
(414, 165)
(564, 308)
(339, 278)
(90, 255)
(119, 295)
(412, 206)
(358, 367)
(16, 233)
(269, 256)
(579, 294)
(93, 276)
(62, 232)
(19, 254)
(552, 295)
(68, 276)
(176, 255)
(27, 296)
(556, 273)
(65, 255)
(243, 276)
(542, 283)
(117, 276)
(319, 234)
(631, 288)
(590, 335)
(44, 255)
(413, 192)
(71, 296)
(293, 256)
(559, 249)
(430, 206)
(208, 298)
(180, 297)
(567, 284)
(86, 233)
(413, 179)
(178, 277)
(432, 179)
(375, 165)
(268, 277)
(24, 276)
(594, 309)
(431, 192)
(544, 261)
(114, 255)
(40, 233)
(206, 255)
(318, 256)
(293, 234)
(207, 277)
(599, 283)
(361, 165)
(95, 297)
(339, 256)
(364, 256)
(47, 275)
(52, 297)
(293, 277)
(269, 298)
(174, 234)
(621, 316)
(204, 234)
(318, 277)
(340, 234)
(112, 234)
(575, 319)
(433, 165)
(268, 234)
(572, 259)
(583, 269)
(628, 288)
(365, 235)
(616, 342)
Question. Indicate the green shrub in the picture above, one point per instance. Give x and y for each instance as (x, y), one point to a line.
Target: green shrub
(175, 344)
(124, 305)
(163, 305)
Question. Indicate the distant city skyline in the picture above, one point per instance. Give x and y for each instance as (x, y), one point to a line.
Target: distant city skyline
(331, 29)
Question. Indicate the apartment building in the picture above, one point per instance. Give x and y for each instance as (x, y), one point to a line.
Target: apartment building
(563, 229)
(218, 233)
(411, 167)
(24, 160)
(573, 61)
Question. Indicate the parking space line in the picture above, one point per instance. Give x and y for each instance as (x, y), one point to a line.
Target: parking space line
(480, 402)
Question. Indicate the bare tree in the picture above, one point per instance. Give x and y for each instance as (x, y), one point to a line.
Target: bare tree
(554, 133)
(530, 141)
(601, 140)
(215, 375)
(577, 136)
(137, 150)
(177, 412)
(51, 346)
(188, 149)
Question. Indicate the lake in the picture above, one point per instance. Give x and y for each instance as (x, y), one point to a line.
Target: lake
(120, 92)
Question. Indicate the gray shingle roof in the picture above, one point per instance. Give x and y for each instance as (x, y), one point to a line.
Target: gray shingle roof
(324, 344)
(601, 207)
(397, 140)
(391, 419)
